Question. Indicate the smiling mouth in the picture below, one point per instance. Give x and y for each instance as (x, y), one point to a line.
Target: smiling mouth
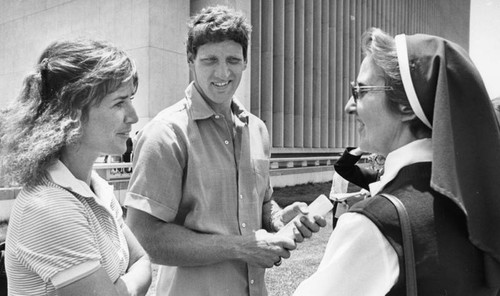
(220, 84)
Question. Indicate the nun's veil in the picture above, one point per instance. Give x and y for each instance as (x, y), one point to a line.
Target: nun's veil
(447, 93)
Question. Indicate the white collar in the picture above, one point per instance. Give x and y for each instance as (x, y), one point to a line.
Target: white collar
(416, 151)
(63, 177)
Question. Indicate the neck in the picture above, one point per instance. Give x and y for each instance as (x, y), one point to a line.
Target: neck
(402, 138)
(79, 164)
(223, 108)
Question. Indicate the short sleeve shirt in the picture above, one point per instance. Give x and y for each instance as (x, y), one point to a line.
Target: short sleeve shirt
(61, 231)
(195, 168)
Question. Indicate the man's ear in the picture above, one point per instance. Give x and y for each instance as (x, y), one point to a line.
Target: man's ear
(190, 57)
(407, 113)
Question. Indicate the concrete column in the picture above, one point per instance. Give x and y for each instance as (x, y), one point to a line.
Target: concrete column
(299, 75)
(308, 74)
(278, 71)
(325, 66)
(266, 69)
(289, 73)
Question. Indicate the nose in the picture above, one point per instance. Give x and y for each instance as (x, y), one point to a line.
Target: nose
(350, 107)
(222, 71)
(131, 115)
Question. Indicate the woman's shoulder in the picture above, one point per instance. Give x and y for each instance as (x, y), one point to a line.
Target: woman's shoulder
(46, 197)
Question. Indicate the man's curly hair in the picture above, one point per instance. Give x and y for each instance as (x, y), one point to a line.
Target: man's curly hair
(217, 24)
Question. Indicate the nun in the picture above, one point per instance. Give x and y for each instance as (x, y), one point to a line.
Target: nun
(420, 102)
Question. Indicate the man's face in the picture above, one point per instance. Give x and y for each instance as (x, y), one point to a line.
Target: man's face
(217, 71)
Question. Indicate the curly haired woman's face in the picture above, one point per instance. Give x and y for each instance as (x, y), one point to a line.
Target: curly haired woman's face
(109, 124)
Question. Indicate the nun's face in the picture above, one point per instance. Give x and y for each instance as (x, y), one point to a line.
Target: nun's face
(379, 129)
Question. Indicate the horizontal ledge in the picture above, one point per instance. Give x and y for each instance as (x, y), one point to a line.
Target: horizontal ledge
(311, 158)
(112, 165)
(300, 170)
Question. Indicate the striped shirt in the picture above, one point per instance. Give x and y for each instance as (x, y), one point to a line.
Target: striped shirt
(61, 231)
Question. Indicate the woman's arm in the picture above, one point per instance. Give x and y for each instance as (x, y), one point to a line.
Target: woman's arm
(358, 261)
(138, 277)
(347, 168)
(95, 284)
(135, 282)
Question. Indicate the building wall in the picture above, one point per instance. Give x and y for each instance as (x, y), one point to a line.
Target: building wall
(302, 55)
(305, 53)
(152, 31)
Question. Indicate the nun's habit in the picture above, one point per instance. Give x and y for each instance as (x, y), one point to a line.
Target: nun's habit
(449, 184)
(447, 93)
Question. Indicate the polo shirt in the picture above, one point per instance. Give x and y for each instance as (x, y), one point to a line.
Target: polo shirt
(195, 168)
(61, 231)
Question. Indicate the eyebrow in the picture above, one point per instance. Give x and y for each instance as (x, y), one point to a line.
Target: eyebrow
(208, 56)
(124, 97)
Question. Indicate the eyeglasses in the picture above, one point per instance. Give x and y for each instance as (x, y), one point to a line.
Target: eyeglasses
(356, 90)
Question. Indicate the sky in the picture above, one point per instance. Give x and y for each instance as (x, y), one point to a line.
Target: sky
(484, 46)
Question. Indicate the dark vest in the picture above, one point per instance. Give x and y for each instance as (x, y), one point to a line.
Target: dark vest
(446, 262)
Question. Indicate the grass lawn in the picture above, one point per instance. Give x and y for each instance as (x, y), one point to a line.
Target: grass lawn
(303, 262)
(283, 280)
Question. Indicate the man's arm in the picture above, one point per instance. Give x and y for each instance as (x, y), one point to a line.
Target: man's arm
(175, 245)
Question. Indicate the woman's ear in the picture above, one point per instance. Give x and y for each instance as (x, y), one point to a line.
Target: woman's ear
(407, 113)
(77, 115)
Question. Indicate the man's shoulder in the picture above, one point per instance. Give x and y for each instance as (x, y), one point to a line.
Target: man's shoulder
(175, 117)
(173, 112)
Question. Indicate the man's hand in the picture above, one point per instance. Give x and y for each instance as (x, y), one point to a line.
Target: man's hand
(305, 224)
(264, 249)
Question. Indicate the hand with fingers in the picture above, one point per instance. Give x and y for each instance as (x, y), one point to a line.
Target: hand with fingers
(265, 249)
(302, 221)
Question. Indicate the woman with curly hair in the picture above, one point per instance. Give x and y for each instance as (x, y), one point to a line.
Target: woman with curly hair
(66, 234)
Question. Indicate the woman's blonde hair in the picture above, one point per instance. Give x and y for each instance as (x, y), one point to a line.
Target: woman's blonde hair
(70, 77)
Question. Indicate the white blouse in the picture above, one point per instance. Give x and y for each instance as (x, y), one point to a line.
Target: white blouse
(358, 259)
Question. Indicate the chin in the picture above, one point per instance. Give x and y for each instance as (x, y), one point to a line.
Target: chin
(117, 150)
